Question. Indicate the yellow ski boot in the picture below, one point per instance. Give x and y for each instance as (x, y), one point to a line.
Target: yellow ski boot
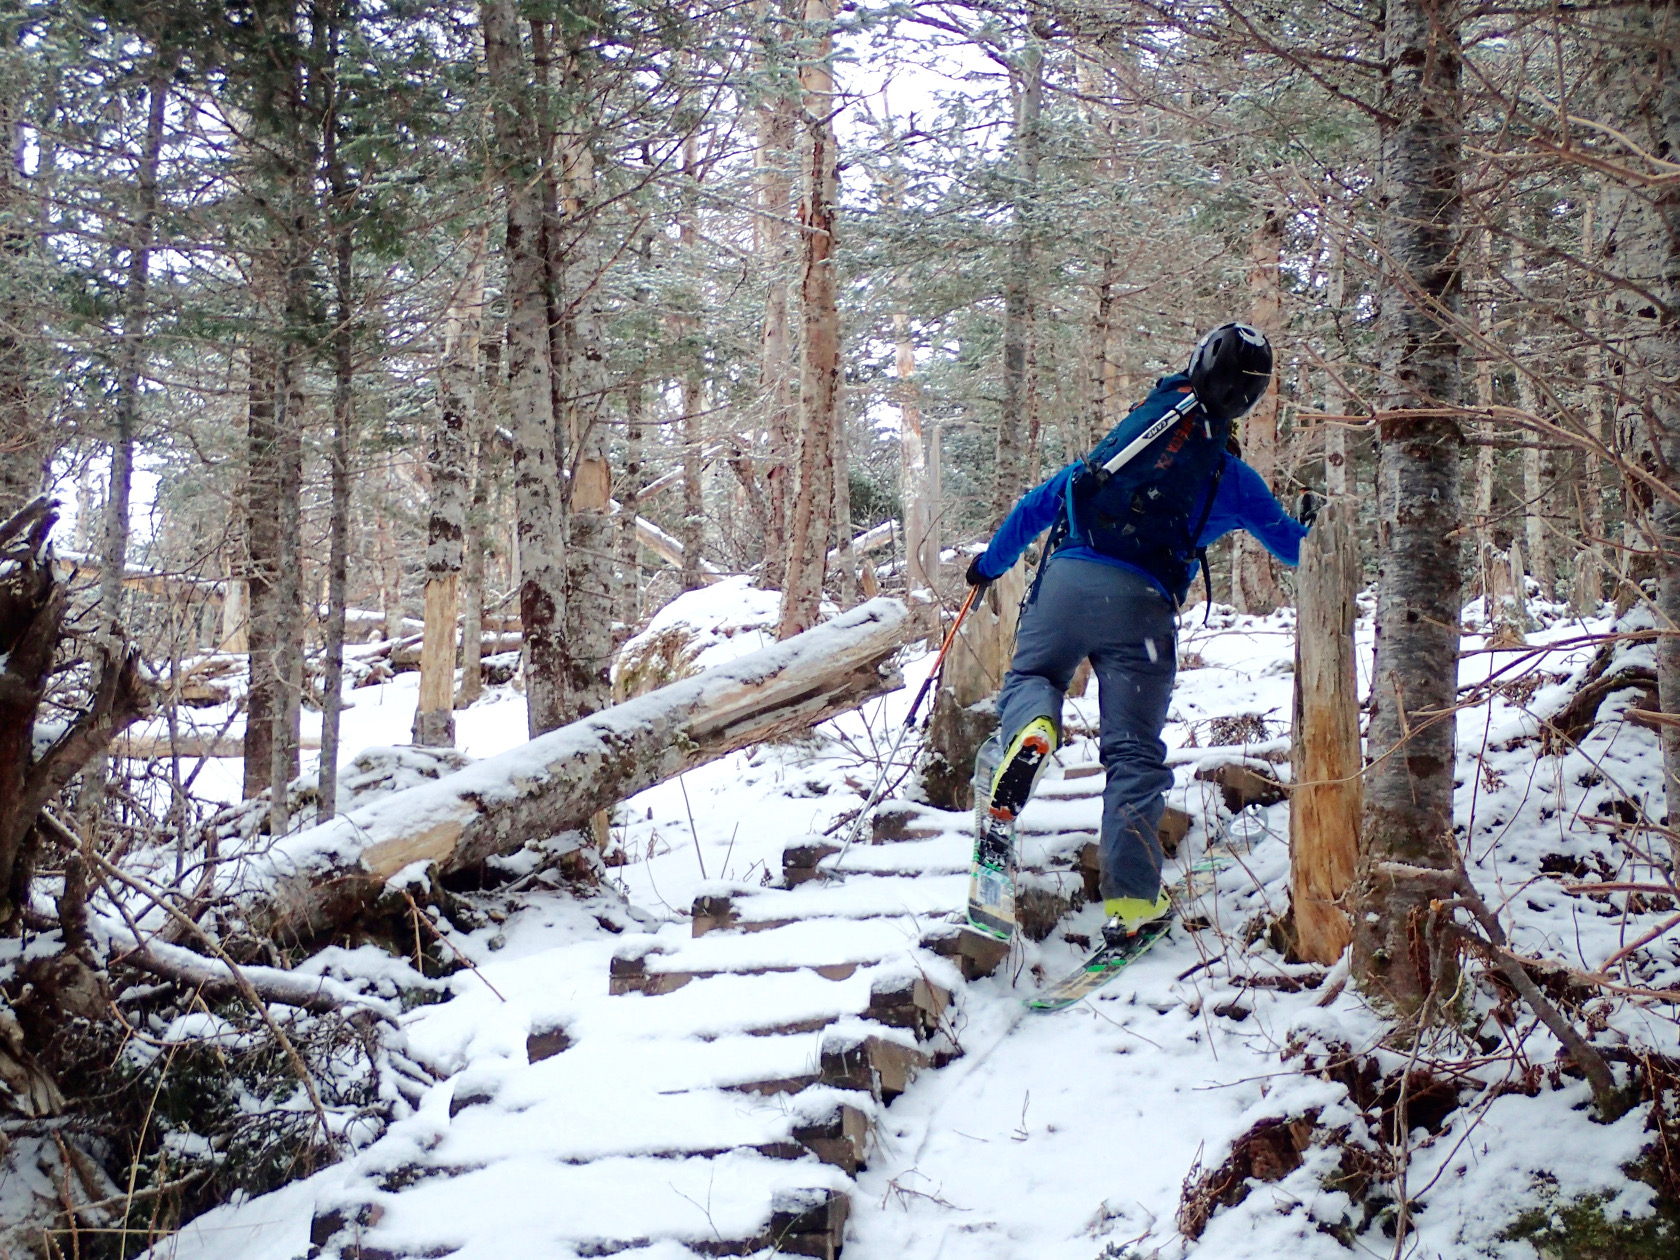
(991, 887)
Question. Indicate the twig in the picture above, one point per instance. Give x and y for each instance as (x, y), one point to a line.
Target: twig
(433, 929)
(1590, 1062)
(692, 829)
(1640, 941)
(246, 991)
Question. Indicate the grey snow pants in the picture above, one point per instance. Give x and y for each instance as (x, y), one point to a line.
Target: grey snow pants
(1126, 626)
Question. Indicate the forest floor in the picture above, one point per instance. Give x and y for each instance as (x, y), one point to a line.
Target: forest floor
(1217, 1100)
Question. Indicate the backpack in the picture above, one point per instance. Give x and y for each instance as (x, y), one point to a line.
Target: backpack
(1145, 493)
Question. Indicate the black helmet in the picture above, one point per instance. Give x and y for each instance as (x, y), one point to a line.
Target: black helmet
(1230, 369)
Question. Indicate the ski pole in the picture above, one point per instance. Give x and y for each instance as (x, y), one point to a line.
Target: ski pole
(909, 721)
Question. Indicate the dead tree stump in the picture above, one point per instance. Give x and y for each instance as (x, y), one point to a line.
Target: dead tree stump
(963, 713)
(1327, 795)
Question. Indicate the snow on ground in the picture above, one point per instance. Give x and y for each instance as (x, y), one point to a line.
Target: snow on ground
(1068, 1135)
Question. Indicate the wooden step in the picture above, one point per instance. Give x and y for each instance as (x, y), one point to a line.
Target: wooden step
(808, 1223)
(977, 956)
(632, 975)
(832, 948)
(858, 897)
(611, 1206)
(878, 1066)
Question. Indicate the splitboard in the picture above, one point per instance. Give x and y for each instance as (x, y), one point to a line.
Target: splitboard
(1109, 961)
(991, 882)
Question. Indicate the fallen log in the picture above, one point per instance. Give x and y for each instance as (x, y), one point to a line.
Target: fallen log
(322, 877)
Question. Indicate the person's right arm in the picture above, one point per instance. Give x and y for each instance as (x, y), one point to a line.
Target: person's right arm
(1033, 514)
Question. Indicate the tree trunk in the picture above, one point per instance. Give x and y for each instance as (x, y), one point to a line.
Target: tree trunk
(921, 561)
(287, 646)
(693, 531)
(1325, 800)
(1100, 406)
(1588, 588)
(36, 605)
(1641, 96)
(535, 477)
(591, 589)
(1486, 454)
(629, 502)
(1537, 476)
(1338, 467)
(338, 519)
(343, 417)
(811, 515)
(389, 558)
(262, 495)
(774, 160)
(556, 782)
(1409, 792)
(1254, 581)
(484, 449)
(446, 526)
(845, 558)
(1009, 473)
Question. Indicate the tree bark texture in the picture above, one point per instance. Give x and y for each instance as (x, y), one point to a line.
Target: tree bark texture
(811, 512)
(555, 783)
(1538, 475)
(262, 495)
(1641, 97)
(591, 586)
(1409, 790)
(775, 159)
(446, 525)
(1326, 797)
(1588, 588)
(1009, 472)
(537, 502)
(1254, 580)
(287, 592)
(484, 447)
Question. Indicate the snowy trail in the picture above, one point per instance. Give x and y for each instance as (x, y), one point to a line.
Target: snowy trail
(813, 1069)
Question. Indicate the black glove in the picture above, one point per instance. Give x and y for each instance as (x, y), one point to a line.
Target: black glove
(976, 578)
(1312, 503)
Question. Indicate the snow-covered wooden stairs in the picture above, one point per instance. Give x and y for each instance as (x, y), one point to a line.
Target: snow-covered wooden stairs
(722, 1102)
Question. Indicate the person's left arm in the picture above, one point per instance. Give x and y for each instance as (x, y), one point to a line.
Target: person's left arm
(1244, 501)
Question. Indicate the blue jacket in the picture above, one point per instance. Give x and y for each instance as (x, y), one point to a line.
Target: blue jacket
(1243, 501)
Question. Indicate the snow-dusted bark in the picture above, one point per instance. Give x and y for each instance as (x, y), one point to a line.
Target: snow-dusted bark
(775, 157)
(557, 781)
(1409, 789)
(260, 562)
(446, 524)
(591, 586)
(538, 507)
(810, 516)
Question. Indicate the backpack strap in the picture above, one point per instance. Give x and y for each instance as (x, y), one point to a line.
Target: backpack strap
(1196, 534)
(1103, 471)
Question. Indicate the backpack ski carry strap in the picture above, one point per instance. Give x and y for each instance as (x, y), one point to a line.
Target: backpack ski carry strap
(1130, 451)
(1195, 538)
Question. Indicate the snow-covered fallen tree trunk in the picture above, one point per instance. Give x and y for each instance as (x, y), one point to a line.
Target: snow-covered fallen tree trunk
(319, 878)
